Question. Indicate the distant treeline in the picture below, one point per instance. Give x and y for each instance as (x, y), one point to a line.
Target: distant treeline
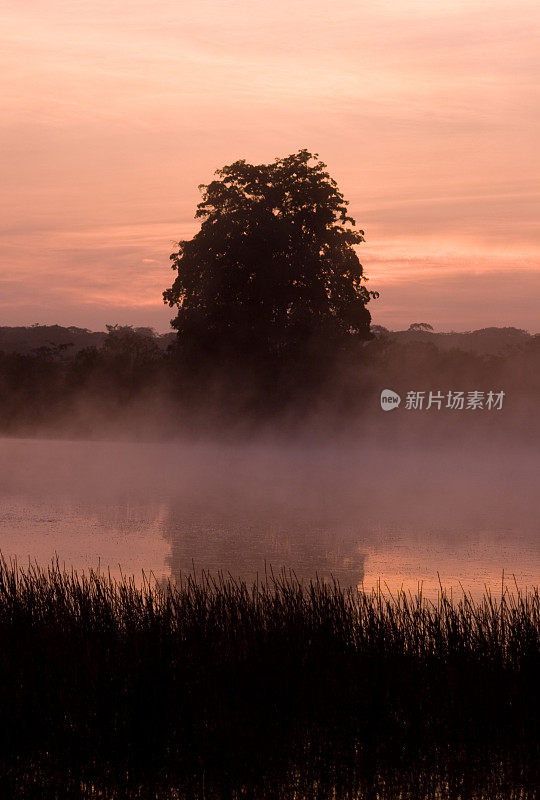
(30, 338)
(71, 380)
(27, 339)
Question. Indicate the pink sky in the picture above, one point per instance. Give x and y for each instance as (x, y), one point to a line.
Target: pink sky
(427, 114)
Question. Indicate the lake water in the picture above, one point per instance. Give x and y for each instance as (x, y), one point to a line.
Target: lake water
(360, 512)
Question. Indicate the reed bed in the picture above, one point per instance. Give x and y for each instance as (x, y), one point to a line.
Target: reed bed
(211, 685)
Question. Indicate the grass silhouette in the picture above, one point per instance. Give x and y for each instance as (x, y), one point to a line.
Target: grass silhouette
(211, 685)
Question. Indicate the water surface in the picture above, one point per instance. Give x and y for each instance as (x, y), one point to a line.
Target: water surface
(362, 513)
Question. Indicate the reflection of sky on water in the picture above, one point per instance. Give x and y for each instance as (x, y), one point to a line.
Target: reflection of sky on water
(357, 514)
(248, 547)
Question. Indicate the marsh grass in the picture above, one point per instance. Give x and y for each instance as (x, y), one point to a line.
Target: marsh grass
(212, 685)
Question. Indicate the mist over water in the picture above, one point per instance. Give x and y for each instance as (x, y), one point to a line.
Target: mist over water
(362, 512)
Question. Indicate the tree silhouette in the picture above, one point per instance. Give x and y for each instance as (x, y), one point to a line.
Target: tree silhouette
(273, 269)
(420, 326)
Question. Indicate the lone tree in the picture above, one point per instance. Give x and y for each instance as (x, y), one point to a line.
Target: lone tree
(273, 270)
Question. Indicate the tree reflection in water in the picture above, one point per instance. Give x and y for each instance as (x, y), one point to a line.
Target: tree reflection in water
(247, 543)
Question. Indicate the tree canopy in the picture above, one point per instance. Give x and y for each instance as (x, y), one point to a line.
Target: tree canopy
(273, 266)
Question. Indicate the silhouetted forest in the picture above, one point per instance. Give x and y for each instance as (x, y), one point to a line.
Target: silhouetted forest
(272, 326)
(133, 379)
